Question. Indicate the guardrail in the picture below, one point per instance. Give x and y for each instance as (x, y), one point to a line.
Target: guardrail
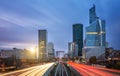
(65, 70)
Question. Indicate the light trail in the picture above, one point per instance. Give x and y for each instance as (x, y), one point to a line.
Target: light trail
(33, 71)
(40, 73)
(19, 71)
(61, 70)
(65, 69)
(86, 70)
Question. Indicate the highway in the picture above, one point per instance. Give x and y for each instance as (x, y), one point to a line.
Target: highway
(32, 71)
(61, 70)
(64, 69)
(86, 70)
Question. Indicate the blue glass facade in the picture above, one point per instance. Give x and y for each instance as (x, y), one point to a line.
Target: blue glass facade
(78, 37)
(92, 14)
(95, 33)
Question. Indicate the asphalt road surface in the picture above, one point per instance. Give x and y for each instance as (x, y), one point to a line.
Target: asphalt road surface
(63, 69)
(86, 70)
(32, 71)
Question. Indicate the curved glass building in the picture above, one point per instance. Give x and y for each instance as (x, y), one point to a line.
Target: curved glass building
(95, 32)
(95, 39)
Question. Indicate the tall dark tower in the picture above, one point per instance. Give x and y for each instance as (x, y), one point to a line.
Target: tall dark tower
(78, 37)
(42, 41)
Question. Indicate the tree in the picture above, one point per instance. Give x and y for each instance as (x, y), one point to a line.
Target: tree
(93, 59)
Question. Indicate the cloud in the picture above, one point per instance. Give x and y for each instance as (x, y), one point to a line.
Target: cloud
(21, 19)
(16, 45)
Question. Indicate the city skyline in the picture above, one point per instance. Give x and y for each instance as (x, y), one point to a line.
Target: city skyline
(21, 20)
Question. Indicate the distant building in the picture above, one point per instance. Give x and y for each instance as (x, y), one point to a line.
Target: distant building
(95, 40)
(112, 54)
(60, 54)
(72, 49)
(66, 55)
(18, 53)
(42, 42)
(78, 37)
(9, 53)
(50, 50)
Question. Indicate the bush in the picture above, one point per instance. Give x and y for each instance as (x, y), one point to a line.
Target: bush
(117, 66)
(93, 59)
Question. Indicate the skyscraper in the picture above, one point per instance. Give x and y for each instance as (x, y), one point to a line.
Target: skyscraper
(50, 50)
(95, 40)
(95, 33)
(78, 37)
(72, 49)
(92, 14)
(42, 41)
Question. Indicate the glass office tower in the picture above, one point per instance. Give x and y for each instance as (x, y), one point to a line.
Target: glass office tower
(78, 37)
(42, 41)
(95, 39)
(95, 33)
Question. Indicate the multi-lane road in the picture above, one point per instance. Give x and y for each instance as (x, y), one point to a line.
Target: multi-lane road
(63, 69)
(32, 71)
(86, 70)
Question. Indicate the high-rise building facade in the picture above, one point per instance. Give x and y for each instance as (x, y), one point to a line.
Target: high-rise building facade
(72, 49)
(50, 50)
(95, 32)
(95, 39)
(42, 41)
(78, 37)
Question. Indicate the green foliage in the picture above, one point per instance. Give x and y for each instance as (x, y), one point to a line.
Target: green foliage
(113, 64)
(117, 66)
(93, 59)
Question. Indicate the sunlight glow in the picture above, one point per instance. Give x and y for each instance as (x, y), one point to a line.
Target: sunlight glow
(32, 50)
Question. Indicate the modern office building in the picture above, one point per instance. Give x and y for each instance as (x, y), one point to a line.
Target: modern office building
(42, 41)
(72, 49)
(78, 37)
(95, 40)
(50, 50)
(95, 33)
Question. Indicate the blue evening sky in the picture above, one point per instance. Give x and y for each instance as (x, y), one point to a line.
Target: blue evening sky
(21, 19)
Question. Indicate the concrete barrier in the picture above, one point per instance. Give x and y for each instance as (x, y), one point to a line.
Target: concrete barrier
(96, 65)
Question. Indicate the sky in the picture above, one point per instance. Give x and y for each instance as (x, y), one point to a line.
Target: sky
(20, 21)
